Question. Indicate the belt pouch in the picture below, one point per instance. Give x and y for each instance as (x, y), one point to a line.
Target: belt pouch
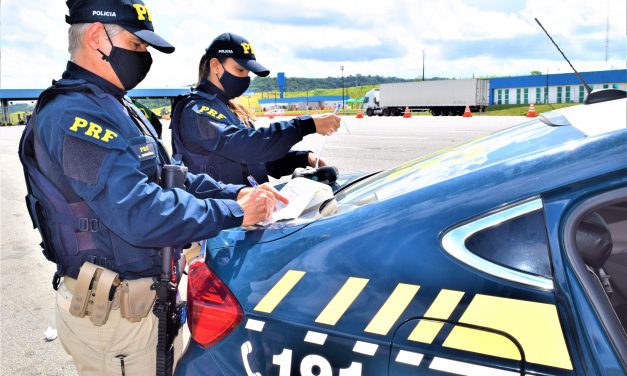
(82, 291)
(107, 281)
(136, 298)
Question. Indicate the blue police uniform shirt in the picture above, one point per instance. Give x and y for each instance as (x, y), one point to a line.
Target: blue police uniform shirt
(215, 141)
(112, 165)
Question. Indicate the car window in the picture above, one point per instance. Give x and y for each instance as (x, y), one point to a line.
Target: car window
(520, 243)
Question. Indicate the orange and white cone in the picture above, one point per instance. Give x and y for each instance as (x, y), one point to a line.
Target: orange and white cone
(407, 113)
(467, 112)
(532, 111)
(360, 115)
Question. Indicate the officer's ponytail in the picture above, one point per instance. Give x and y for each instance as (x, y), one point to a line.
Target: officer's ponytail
(242, 112)
(203, 69)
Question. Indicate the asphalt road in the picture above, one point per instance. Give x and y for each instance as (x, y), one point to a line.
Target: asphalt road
(26, 295)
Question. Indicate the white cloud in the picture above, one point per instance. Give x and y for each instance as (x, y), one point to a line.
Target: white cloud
(391, 35)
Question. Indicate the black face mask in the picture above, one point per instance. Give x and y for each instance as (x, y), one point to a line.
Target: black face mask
(233, 86)
(131, 67)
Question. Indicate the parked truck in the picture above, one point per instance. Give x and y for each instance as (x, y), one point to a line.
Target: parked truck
(441, 97)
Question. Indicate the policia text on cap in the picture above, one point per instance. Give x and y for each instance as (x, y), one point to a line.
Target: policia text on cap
(93, 168)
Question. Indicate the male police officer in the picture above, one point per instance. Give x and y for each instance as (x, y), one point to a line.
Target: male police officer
(93, 165)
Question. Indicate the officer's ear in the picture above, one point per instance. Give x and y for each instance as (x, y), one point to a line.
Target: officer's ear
(214, 66)
(93, 38)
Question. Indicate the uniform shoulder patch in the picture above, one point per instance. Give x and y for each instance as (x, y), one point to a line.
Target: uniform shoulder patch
(206, 110)
(89, 128)
(208, 128)
(83, 160)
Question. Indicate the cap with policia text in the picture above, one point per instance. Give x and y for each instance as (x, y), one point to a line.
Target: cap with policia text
(238, 48)
(132, 15)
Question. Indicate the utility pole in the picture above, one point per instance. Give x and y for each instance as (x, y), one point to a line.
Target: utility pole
(607, 32)
(423, 65)
(546, 92)
(342, 69)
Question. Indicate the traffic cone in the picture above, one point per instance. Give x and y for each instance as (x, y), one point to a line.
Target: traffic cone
(360, 115)
(532, 111)
(406, 114)
(467, 112)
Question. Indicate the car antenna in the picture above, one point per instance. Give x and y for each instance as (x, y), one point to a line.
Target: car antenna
(588, 89)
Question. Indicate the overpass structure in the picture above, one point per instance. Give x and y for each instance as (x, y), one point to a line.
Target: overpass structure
(10, 95)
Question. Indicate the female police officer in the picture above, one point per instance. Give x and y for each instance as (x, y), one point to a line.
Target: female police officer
(216, 136)
(92, 163)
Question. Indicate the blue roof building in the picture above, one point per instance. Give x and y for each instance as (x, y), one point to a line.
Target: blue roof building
(8, 95)
(32, 94)
(552, 88)
(301, 103)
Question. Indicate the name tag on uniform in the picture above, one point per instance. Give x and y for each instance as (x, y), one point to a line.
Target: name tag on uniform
(144, 151)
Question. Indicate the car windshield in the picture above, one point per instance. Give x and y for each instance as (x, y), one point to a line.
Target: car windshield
(431, 169)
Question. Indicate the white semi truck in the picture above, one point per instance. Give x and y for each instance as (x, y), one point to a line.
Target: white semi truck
(441, 97)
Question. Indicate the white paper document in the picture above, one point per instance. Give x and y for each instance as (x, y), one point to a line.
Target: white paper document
(302, 194)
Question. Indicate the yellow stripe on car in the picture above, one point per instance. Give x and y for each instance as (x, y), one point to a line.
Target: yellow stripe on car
(441, 308)
(341, 301)
(392, 309)
(535, 326)
(279, 291)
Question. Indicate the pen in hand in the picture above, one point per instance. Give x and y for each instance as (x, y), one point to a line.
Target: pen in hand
(253, 182)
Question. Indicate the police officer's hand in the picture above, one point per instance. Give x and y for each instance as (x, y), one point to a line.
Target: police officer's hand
(258, 204)
(327, 124)
(311, 160)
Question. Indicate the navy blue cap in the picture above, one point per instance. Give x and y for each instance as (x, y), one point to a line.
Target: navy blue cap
(238, 48)
(132, 15)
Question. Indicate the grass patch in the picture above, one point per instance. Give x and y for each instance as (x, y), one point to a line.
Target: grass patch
(520, 109)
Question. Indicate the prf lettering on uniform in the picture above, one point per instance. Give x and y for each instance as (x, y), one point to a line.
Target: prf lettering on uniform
(142, 12)
(248, 48)
(144, 149)
(92, 130)
(211, 112)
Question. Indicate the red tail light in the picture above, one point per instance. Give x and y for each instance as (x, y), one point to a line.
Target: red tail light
(212, 310)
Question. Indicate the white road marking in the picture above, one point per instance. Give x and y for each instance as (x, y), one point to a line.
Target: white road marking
(388, 137)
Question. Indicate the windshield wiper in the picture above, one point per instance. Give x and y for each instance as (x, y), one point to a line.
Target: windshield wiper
(324, 203)
(356, 181)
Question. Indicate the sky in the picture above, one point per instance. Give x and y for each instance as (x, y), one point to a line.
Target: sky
(460, 38)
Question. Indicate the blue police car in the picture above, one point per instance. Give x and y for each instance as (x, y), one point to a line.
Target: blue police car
(504, 256)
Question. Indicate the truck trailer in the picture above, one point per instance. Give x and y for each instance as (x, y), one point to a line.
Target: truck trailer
(441, 97)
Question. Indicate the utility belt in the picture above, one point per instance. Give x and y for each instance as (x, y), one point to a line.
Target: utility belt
(97, 291)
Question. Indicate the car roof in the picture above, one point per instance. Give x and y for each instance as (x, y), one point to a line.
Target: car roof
(592, 119)
(551, 142)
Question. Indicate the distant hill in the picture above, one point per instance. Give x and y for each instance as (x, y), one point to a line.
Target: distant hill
(21, 107)
(266, 84)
